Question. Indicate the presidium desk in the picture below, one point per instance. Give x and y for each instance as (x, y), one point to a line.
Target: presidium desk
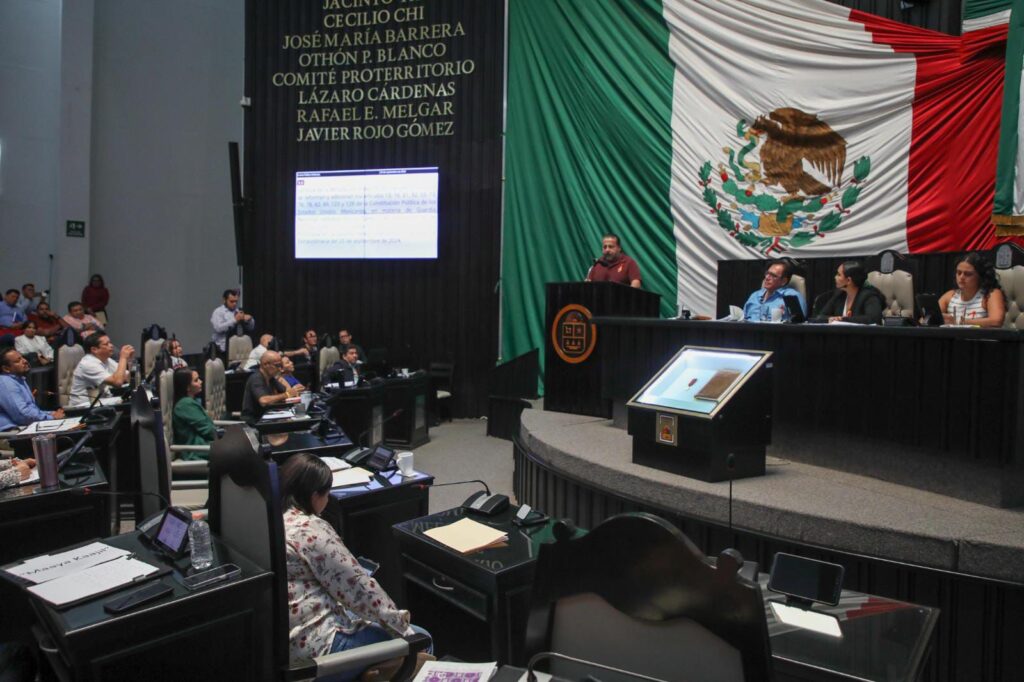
(933, 408)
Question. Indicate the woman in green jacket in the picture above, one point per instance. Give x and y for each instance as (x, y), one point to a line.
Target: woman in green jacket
(192, 426)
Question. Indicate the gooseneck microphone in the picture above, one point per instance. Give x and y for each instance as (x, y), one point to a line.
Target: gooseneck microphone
(471, 480)
(86, 490)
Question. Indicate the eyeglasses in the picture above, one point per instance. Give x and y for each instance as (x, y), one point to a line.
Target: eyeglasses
(772, 275)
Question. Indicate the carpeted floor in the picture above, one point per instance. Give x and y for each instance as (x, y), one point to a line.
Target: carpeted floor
(460, 450)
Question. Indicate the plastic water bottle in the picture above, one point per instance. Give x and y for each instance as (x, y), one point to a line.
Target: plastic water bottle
(199, 540)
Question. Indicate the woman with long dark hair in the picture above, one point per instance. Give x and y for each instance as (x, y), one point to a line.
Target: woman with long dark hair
(978, 299)
(191, 424)
(333, 603)
(854, 299)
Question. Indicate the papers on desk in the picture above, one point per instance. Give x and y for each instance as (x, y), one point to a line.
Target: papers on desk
(825, 623)
(335, 463)
(445, 671)
(467, 535)
(33, 477)
(352, 476)
(276, 414)
(93, 581)
(110, 402)
(48, 567)
(51, 426)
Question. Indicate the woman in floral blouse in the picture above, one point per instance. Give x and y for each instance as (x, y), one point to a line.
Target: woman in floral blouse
(333, 604)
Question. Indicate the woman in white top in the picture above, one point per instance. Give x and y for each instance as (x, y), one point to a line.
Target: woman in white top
(978, 299)
(30, 342)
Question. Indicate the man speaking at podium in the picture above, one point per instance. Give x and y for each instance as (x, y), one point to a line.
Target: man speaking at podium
(614, 265)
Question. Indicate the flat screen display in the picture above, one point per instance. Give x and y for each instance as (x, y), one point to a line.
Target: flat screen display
(357, 214)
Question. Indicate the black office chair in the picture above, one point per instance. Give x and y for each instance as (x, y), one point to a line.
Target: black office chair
(637, 595)
(155, 468)
(245, 512)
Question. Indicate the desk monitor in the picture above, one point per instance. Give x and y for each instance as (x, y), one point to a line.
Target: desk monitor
(699, 381)
(796, 312)
(928, 308)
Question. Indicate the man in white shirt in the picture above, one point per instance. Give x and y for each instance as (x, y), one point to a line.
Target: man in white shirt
(226, 317)
(256, 353)
(31, 343)
(98, 371)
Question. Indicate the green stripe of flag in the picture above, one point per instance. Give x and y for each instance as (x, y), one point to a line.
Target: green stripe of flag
(588, 150)
(1007, 180)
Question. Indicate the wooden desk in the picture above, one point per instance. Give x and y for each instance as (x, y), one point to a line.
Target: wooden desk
(219, 633)
(112, 450)
(475, 607)
(363, 516)
(409, 394)
(948, 400)
(359, 411)
(35, 521)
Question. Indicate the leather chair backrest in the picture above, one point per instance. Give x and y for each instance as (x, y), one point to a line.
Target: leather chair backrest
(898, 288)
(150, 352)
(68, 358)
(586, 626)
(166, 383)
(798, 283)
(214, 389)
(328, 356)
(154, 466)
(239, 348)
(1012, 281)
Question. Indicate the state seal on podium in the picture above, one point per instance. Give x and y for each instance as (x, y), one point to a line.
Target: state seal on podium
(573, 335)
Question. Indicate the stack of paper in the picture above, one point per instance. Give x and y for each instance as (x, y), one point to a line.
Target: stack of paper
(51, 426)
(335, 463)
(353, 476)
(466, 535)
(81, 572)
(276, 414)
(445, 671)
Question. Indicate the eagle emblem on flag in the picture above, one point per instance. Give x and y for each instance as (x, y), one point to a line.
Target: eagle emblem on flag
(782, 186)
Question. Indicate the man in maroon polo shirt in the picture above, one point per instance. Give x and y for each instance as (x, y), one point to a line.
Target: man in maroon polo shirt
(614, 266)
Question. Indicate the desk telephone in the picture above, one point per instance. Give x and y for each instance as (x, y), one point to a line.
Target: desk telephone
(376, 459)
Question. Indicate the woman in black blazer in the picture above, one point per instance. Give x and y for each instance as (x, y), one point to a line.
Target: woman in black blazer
(854, 300)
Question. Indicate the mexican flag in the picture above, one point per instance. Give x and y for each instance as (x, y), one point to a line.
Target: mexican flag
(701, 130)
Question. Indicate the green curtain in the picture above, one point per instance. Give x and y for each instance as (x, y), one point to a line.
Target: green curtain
(588, 151)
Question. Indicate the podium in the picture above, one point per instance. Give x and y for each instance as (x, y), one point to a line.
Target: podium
(572, 363)
(360, 413)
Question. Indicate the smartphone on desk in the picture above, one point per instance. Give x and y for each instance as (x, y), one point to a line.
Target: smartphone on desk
(210, 576)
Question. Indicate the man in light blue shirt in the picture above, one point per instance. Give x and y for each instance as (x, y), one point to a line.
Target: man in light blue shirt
(226, 317)
(774, 287)
(17, 407)
(27, 302)
(11, 316)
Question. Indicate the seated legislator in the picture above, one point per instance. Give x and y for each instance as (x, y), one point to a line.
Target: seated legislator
(227, 317)
(344, 372)
(265, 388)
(98, 371)
(288, 374)
(32, 344)
(176, 353)
(345, 340)
(333, 604)
(311, 342)
(86, 325)
(978, 298)
(265, 342)
(774, 287)
(191, 424)
(13, 471)
(17, 406)
(11, 316)
(854, 300)
(614, 265)
(48, 323)
(27, 302)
